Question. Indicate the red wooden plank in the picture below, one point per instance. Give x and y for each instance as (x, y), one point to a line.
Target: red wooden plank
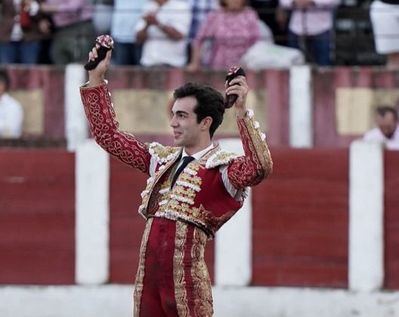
(37, 219)
(391, 205)
(300, 217)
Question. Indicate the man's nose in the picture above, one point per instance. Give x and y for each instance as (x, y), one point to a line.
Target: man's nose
(173, 121)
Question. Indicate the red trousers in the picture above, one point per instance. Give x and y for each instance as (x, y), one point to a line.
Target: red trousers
(172, 278)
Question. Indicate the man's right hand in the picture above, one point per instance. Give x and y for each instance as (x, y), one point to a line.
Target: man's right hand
(97, 75)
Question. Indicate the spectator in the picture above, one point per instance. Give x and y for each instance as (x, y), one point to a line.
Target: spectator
(163, 30)
(274, 17)
(199, 10)
(123, 30)
(74, 35)
(230, 31)
(22, 28)
(11, 114)
(387, 130)
(384, 16)
(310, 28)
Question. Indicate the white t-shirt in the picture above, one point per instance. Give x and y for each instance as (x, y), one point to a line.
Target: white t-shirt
(11, 117)
(159, 49)
(375, 135)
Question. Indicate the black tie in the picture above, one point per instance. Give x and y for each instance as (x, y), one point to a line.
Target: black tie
(186, 160)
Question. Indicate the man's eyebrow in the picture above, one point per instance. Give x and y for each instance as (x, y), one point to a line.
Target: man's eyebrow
(180, 112)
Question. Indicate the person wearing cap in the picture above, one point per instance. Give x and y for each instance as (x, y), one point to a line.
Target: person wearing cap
(193, 188)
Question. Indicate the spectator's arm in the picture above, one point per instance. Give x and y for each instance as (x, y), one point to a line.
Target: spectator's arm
(195, 57)
(170, 31)
(141, 34)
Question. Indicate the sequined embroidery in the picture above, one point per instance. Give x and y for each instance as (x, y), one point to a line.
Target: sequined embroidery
(203, 303)
(178, 270)
(138, 290)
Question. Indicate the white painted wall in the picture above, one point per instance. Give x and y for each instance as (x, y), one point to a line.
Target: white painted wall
(301, 107)
(117, 300)
(366, 216)
(92, 214)
(76, 129)
(233, 247)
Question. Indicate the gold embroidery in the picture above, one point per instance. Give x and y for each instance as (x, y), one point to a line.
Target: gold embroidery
(203, 304)
(220, 158)
(258, 146)
(163, 153)
(178, 270)
(138, 289)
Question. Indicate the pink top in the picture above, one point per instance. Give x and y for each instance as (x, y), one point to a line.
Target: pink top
(230, 35)
(71, 11)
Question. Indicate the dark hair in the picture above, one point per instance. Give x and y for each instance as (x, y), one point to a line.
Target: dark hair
(383, 110)
(210, 103)
(4, 78)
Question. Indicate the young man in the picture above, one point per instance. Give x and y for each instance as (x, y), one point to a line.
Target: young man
(387, 130)
(182, 210)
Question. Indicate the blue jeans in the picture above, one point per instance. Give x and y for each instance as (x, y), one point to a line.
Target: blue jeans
(127, 53)
(19, 52)
(315, 47)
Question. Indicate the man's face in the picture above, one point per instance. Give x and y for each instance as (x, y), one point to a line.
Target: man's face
(235, 4)
(387, 124)
(186, 130)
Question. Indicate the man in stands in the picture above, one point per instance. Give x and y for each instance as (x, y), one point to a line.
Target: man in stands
(387, 130)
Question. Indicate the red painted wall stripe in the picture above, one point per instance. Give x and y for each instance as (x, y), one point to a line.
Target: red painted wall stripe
(37, 217)
(300, 219)
(391, 198)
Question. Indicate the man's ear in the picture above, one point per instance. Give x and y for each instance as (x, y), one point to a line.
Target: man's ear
(206, 123)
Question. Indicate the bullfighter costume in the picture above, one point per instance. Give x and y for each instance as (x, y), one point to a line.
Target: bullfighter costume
(172, 278)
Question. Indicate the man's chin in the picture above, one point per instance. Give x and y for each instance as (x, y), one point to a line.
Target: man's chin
(177, 142)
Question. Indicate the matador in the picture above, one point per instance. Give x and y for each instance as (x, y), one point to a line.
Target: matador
(193, 188)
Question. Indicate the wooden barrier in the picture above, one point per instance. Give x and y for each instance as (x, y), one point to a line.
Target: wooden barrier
(37, 229)
(300, 219)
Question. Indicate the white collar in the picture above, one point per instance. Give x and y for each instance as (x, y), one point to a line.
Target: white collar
(199, 154)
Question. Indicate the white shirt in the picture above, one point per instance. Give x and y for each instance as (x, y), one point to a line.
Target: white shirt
(375, 135)
(11, 117)
(158, 48)
(126, 15)
(312, 21)
(197, 155)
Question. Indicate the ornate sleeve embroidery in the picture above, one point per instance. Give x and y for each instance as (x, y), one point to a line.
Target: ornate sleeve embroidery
(104, 127)
(257, 163)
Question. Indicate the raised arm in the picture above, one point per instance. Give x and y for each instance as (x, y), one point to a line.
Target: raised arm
(102, 121)
(256, 164)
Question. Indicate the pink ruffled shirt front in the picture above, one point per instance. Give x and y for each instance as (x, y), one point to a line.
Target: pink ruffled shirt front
(229, 34)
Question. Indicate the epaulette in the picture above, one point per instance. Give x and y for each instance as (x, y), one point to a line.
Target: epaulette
(221, 157)
(163, 154)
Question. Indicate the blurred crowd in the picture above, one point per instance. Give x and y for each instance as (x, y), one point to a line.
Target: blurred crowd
(190, 34)
(211, 34)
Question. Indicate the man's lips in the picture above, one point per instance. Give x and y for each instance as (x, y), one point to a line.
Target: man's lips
(176, 134)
